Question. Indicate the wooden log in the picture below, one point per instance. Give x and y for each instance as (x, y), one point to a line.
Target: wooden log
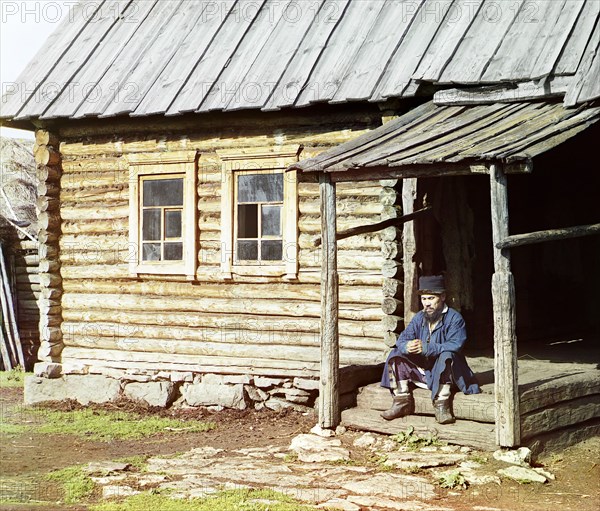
(49, 237)
(560, 416)
(503, 298)
(44, 203)
(390, 249)
(329, 405)
(389, 339)
(390, 269)
(48, 266)
(391, 212)
(349, 206)
(473, 434)
(46, 155)
(50, 280)
(50, 352)
(51, 293)
(391, 305)
(392, 287)
(389, 197)
(96, 213)
(518, 240)
(48, 252)
(44, 137)
(409, 249)
(47, 189)
(49, 221)
(51, 335)
(391, 323)
(391, 234)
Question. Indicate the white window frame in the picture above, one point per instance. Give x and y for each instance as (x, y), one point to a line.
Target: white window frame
(164, 165)
(257, 161)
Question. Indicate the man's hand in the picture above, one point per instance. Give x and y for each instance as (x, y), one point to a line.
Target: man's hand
(415, 346)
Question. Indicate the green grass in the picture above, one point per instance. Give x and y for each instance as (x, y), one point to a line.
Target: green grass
(77, 485)
(7, 429)
(453, 479)
(230, 500)
(105, 426)
(13, 378)
(414, 441)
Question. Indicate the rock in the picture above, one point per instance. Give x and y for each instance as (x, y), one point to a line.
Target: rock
(429, 448)
(211, 394)
(366, 440)
(548, 475)
(325, 433)
(381, 502)
(106, 467)
(47, 370)
(237, 379)
(465, 449)
(41, 390)
(179, 376)
(74, 368)
(157, 393)
(340, 430)
(316, 449)
(392, 486)
(276, 403)
(450, 448)
(93, 388)
(109, 492)
(265, 383)
(340, 504)
(305, 384)
(406, 460)
(520, 456)
(522, 474)
(255, 394)
(151, 479)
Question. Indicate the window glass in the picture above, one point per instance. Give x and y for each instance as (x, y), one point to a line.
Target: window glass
(271, 250)
(163, 192)
(248, 221)
(260, 188)
(271, 221)
(173, 251)
(173, 224)
(247, 250)
(151, 225)
(151, 252)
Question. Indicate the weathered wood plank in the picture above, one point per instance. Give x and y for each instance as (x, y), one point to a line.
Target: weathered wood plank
(503, 298)
(575, 47)
(560, 415)
(517, 240)
(473, 434)
(476, 407)
(329, 404)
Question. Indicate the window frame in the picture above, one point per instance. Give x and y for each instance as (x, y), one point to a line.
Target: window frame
(259, 161)
(155, 166)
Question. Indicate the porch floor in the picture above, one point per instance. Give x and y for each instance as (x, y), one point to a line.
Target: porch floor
(559, 405)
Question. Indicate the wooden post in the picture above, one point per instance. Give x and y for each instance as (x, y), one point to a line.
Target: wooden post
(329, 406)
(508, 424)
(409, 248)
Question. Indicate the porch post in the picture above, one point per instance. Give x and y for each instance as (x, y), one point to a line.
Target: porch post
(329, 405)
(508, 422)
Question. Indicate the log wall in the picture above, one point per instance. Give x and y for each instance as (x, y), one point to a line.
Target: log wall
(250, 324)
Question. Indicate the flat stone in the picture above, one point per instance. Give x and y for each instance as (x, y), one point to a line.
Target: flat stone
(548, 475)
(106, 467)
(520, 456)
(47, 370)
(392, 486)
(306, 384)
(211, 394)
(238, 378)
(117, 374)
(340, 504)
(179, 376)
(316, 449)
(277, 404)
(151, 479)
(93, 388)
(367, 502)
(156, 393)
(75, 368)
(366, 440)
(322, 432)
(522, 474)
(405, 460)
(109, 480)
(215, 379)
(265, 383)
(42, 390)
(255, 394)
(112, 491)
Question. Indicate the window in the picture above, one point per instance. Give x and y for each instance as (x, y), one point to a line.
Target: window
(259, 214)
(162, 213)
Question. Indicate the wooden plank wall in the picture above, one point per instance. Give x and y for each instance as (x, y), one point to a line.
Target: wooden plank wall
(255, 325)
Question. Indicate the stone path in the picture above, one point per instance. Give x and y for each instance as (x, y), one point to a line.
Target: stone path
(314, 470)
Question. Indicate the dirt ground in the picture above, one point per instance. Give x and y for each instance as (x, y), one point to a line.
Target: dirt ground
(27, 457)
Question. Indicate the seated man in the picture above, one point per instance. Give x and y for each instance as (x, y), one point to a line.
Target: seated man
(427, 353)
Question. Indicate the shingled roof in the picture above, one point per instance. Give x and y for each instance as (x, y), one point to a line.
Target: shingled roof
(145, 57)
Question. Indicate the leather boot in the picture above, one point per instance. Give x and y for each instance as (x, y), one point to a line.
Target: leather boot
(443, 414)
(401, 406)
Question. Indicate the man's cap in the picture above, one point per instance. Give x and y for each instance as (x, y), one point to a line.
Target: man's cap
(431, 284)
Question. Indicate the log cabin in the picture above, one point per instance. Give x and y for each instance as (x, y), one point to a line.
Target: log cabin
(239, 196)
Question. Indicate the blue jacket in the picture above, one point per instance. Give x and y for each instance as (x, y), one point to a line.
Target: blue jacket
(448, 337)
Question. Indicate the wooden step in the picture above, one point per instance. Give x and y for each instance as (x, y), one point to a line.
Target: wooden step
(469, 433)
(475, 407)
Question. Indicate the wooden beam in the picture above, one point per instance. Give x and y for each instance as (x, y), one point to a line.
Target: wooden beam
(379, 226)
(530, 238)
(508, 432)
(329, 405)
(409, 249)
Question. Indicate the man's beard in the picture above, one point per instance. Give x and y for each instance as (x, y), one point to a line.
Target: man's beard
(433, 317)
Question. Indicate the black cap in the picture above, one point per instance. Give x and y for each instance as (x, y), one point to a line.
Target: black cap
(431, 284)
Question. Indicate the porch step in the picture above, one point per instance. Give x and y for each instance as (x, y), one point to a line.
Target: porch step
(472, 434)
(475, 407)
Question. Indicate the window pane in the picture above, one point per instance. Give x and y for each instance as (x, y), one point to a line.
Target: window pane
(173, 224)
(151, 224)
(248, 221)
(247, 250)
(271, 221)
(173, 251)
(163, 192)
(260, 188)
(271, 250)
(151, 252)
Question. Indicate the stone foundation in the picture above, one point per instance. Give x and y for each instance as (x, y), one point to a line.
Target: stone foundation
(56, 382)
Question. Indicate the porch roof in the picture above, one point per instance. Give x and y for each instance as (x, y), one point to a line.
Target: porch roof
(456, 134)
